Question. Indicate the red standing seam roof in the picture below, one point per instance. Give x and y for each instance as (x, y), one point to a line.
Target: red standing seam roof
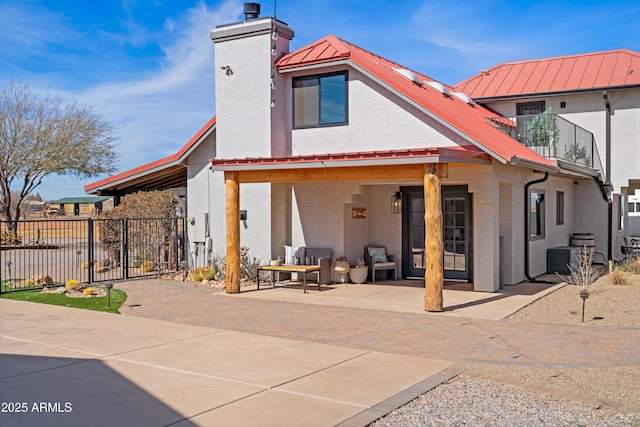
(155, 164)
(461, 153)
(468, 120)
(588, 71)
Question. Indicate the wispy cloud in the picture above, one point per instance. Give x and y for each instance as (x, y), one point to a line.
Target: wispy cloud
(156, 110)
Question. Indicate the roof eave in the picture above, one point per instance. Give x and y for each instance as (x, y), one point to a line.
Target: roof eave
(555, 93)
(347, 163)
(314, 65)
(582, 170)
(519, 161)
(176, 159)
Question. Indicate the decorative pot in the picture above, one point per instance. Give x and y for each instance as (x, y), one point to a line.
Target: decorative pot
(358, 275)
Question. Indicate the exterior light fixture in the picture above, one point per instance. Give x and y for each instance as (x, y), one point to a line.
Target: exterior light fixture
(273, 50)
(108, 285)
(183, 266)
(396, 203)
(273, 103)
(274, 34)
(227, 70)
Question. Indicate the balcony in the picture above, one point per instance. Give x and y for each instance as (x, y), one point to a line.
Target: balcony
(553, 137)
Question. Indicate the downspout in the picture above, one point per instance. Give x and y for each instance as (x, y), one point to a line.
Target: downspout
(608, 172)
(526, 228)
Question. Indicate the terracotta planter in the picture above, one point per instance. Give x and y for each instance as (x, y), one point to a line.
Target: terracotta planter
(358, 275)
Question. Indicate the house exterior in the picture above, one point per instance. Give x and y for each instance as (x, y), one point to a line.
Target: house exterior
(82, 206)
(333, 146)
(600, 93)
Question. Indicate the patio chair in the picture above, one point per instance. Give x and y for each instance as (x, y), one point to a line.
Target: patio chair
(377, 259)
(323, 259)
(630, 249)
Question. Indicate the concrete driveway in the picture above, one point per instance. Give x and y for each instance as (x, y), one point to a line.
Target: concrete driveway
(67, 367)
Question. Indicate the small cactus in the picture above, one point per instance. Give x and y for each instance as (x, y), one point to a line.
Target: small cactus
(147, 266)
(204, 273)
(71, 284)
(88, 292)
(28, 282)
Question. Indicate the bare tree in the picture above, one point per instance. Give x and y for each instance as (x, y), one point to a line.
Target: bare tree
(40, 137)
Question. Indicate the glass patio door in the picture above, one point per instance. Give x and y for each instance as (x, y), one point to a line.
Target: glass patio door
(456, 215)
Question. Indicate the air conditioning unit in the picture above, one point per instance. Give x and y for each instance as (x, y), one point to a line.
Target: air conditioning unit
(559, 259)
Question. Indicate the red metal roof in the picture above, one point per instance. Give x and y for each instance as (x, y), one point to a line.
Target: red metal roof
(157, 164)
(463, 154)
(589, 71)
(467, 120)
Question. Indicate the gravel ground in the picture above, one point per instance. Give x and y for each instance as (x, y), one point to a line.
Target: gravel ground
(508, 395)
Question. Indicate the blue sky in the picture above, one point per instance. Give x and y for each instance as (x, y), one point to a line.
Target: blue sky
(147, 65)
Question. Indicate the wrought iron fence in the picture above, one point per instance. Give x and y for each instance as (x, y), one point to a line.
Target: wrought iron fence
(88, 250)
(552, 137)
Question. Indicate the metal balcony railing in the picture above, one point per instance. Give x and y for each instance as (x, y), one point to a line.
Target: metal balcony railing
(552, 137)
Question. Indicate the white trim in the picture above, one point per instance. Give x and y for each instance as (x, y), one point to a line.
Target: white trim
(340, 61)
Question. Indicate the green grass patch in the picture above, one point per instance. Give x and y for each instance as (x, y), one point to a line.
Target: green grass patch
(118, 297)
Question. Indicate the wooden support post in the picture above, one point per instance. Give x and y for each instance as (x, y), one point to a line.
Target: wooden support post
(232, 278)
(433, 246)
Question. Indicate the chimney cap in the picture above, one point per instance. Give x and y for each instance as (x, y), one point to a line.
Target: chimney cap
(251, 11)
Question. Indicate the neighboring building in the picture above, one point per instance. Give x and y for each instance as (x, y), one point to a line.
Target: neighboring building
(81, 206)
(317, 147)
(600, 93)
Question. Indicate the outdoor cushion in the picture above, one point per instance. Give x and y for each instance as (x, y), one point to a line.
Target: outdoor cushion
(385, 264)
(290, 252)
(378, 254)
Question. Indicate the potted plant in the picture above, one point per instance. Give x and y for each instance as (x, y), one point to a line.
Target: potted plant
(542, 129)
(358, 273)
(342, 268)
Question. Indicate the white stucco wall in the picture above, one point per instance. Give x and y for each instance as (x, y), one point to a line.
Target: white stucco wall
(378, 120)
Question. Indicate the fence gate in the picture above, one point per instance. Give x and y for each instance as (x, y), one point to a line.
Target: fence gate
(88, 250)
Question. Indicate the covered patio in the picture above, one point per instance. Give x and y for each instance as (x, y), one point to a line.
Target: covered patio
(427, 166)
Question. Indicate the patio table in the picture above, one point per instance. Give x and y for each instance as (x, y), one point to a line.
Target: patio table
(291, 268)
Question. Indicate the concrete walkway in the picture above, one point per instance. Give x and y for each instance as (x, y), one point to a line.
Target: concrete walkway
(68, 367)
(183, 355)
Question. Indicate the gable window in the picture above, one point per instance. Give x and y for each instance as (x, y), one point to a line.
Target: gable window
(559, 207)
(536, 215)
(320, 100)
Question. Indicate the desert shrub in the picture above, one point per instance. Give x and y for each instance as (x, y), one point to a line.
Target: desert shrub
(147, 266)
(84, 265)
(630, 265)
(9, 238)
(248, 265)
(29, 282)
(219, 263)
(88, 291)
(71, 284)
